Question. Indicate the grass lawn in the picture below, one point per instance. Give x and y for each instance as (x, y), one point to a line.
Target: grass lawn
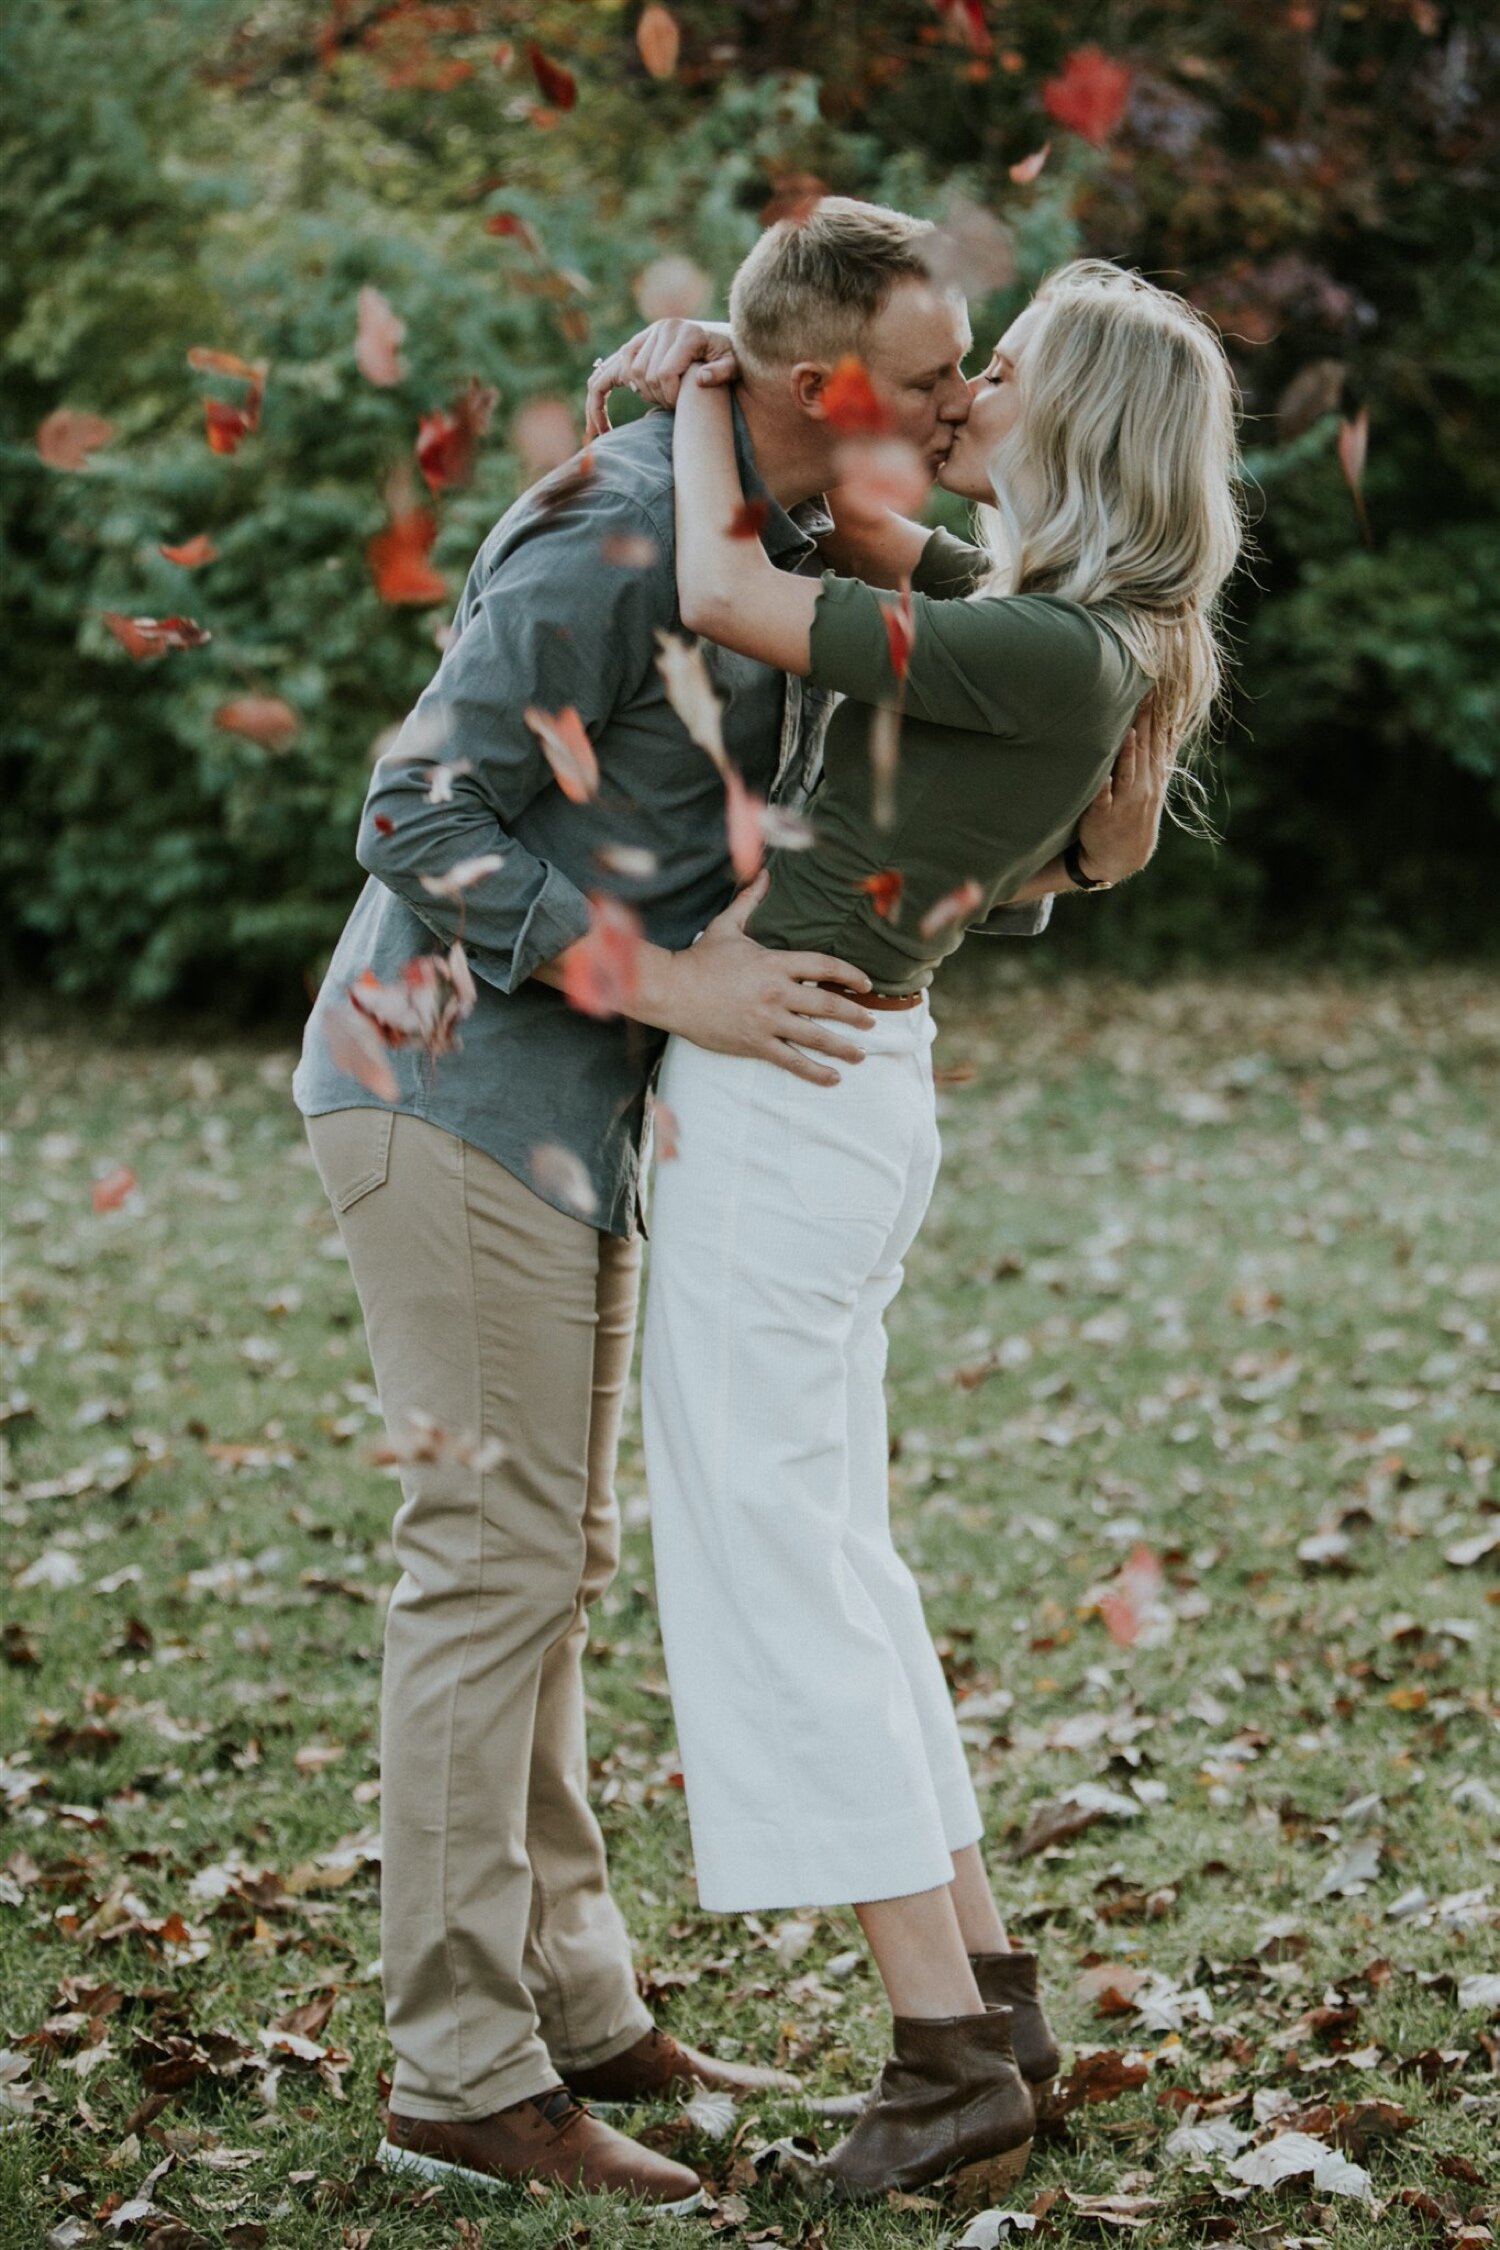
(1214, 1273)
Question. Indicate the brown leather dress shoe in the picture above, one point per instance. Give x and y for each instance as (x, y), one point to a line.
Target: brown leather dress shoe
(1005, 1980)
(546, 2137)
(951, 2110)
(1009, 1980)
(657, 2064)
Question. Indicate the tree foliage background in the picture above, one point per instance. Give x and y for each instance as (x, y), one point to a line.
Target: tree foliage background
(1319, 175)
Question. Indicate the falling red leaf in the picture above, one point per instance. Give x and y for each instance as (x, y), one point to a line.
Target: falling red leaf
(1136, 1588)
(1028, 168)
(742, 814)
(601, 971)
(1090, 94)
(356, 1048)
(259, 718)
(965, 21)
(884, 892)
(1354, 444)
(628, 550)
(193, 553)
(658, 40)
(666, 1136)
(68, 436)
(447, 441)
(110, 1191)
(567, 749)
(850, 403)
(558, 86)
(544, 434)
(900, 631)
(749, 519)
(515, 229)
(384, 825)
(793, 196)
(377, 339)
(880, 474)
(153, 636)
(958, 906)
(398, 557)
(423, 1004)
(225, 426)
(557, 1172)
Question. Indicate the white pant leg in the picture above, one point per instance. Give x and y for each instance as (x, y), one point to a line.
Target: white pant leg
(804, 1757)
(868, 1543)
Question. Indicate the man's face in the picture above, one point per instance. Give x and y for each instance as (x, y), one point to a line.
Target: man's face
(914, 352)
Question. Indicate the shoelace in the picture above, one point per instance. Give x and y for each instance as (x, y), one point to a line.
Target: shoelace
(557, 2107)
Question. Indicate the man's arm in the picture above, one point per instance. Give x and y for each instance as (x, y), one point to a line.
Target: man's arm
(550, 625)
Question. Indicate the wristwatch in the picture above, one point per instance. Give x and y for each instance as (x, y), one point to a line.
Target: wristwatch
(1072, 860)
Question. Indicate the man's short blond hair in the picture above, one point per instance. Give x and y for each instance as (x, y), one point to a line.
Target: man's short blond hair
(811, 286)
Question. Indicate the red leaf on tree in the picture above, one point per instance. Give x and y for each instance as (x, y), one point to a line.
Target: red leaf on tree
(1354, 444)
(398, 557)
(900, 631)
(153, 636)
(1028, 168)
(601, 971)
(884, 892)
(68, 436)
(567, 749)
(1090, 94)
(110, 1192)
(447, 441)
(747, 839)
(749, 519)
(259, 718)
(850, 403)
(658, 40)
(558, 86)
(193, 553)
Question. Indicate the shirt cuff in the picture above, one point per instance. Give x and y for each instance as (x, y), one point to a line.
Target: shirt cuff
(556, 918)
(1027, 920)
(847, 647)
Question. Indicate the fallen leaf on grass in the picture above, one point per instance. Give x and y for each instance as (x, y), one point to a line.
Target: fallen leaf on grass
(1295, 2156)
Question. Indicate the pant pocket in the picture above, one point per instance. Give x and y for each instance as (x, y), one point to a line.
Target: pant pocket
(352, 1150)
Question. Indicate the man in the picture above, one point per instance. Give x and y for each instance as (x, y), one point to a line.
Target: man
(490, 1212)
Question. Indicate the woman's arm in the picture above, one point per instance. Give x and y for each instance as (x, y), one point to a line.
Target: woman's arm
(875, 544)
(727, 587)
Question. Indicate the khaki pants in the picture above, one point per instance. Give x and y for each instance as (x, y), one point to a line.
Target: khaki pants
(502, 1319)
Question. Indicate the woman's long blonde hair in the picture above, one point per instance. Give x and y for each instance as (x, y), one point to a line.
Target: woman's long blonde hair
(1119, 486)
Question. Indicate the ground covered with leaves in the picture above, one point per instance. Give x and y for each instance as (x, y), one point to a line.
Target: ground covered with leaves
(1195, 1410)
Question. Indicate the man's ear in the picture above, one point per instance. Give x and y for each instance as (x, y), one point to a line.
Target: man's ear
(807, 382)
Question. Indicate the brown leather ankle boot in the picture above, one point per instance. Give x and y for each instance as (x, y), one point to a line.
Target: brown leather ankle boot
(1009, 1980)
(951, 2108)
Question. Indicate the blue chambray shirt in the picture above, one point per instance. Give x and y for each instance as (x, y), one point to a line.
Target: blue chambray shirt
(561, 607)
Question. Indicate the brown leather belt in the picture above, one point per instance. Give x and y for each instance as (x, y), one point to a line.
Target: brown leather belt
(874, 999)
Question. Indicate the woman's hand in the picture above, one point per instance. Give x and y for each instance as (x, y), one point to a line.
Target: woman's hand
(653, 364)
(1118, 833)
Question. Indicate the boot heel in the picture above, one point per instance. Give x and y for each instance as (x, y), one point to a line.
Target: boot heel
(974, 2185)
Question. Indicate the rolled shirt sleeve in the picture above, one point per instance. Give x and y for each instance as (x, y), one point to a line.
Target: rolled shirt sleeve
(550, 625)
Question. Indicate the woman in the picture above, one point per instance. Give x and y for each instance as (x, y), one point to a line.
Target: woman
(821, 1758)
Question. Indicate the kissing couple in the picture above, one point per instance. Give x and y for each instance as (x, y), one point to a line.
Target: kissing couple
(490, 1200)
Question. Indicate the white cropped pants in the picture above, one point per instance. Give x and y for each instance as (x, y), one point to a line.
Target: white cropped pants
(820, 1754)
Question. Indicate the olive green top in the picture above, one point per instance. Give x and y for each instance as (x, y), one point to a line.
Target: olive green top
(1013, 708)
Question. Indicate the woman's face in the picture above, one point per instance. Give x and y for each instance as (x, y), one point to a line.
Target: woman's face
(996, 402)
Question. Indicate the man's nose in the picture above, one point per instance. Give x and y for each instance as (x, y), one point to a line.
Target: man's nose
(956, 402)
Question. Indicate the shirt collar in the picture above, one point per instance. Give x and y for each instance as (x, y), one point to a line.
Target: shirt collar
(785, 531)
